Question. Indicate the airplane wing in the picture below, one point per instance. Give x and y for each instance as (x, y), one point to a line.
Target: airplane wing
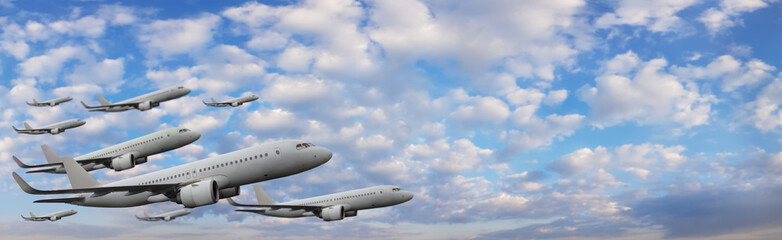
(60, 200)
(101, 107)
(35, 104)
(81, 162)
(273, 206)
(99, 190)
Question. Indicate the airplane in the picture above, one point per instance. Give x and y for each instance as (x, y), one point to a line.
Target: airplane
(142, 103)
(233, 102)
(53, 129)
(51, 216)
(50, 103)
(192, 184)
(122, 156)
(332, 207)
(165, 216)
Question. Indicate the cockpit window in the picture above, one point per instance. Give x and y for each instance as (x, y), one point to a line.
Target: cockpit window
(301, 146)
(180, 87)
(183, 130)
(396, 189)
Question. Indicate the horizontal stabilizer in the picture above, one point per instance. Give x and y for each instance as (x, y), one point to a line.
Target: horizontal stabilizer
(20, 163)
(252, 210)
(60, 200)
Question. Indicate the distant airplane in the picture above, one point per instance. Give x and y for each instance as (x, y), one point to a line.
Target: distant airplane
(51, 216)
(50, 103)
(330, 207)
(233, 102)
(165, 216)
(53, 129)
(193, 184)
(122, 156)
(142, 103)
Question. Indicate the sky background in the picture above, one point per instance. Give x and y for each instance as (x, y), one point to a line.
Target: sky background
(620, 119)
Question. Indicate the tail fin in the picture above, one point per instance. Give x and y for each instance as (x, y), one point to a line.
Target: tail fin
(35, 101)
(146, 215)
(213, 100)
(51, 156)
(32, 215)
(27, 126)
(103, 100)
(77, 175)
(263, 198)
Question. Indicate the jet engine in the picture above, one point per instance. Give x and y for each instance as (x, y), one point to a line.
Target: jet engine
(333, 213)
(351, 213)
(124, 161)
(52, 104)
(235, 104)
(53, 218)
(229, 192)
(145, 105)
(167, 218)
(140, 160)
(55, 130)
(198, 194)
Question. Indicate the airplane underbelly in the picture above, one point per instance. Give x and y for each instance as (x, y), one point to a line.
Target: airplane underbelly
(284, 213)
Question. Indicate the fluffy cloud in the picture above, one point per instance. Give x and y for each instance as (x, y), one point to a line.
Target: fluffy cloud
(88, 26)
(717, 20)
(480, 111)
(46, 67)
(643, 92)
(656, 16)
(764, 112)
(733, 73)
(108, 72)
(537, 131)
(636, 159)
(175, 36)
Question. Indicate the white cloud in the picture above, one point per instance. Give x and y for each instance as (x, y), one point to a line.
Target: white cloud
(296, 59)
(117, 14)
(463, 156)
(46, 67)
(108, 72)
(286, 89)
(204, 123)
(168, 37)
(88, 26)
(764, 112)
(726, 17)
(270, 119)
(656, 16)
(481, 110)
(555, 97)
(645, 94)
(538, 132)
(19, 49)
(733, 73)
(375, 142)
(637, 159)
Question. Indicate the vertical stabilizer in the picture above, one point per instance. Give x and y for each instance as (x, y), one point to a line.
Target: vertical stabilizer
(263, 198)
(213, 100)
(51, 156)
(35, 101)
(103, 101)
(146, 215)
(77, 175)
(27, 126)
(32, 215)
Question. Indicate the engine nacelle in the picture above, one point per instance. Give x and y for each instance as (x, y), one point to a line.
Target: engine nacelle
(167, 218)
(198, 194)
(55, 131)
(333, 213)
(124, 161)
(140, 160)
(52, 104)
(229, 192)
(53, 218)
(235, 104)
(145, 106)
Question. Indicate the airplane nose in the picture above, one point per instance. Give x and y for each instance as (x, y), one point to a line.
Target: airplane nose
(324, 155)
(196, 135)
(407, 196)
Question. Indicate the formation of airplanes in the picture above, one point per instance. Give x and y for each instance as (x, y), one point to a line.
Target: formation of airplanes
(193, 184)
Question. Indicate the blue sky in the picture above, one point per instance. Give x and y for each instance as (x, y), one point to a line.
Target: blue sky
(622, 119)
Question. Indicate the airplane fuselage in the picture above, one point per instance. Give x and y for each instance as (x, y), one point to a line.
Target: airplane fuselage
(51, 216)
(354, 200)
(231, 170)
(50, 103)
(140, 148)
(54, 129)
(154, 98)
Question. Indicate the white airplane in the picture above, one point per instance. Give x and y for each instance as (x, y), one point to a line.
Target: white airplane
(50, 103)
(142, 103)
(51, 216)
(330, 207)
(53, 129)
(122, 156)
(193, 184)
(233, 102)
(165, 216)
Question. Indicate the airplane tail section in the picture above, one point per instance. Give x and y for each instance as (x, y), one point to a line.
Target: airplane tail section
(77, 175)
(51, 156)
(103, 101)
(213, 100)
(27, 126)
(35, 101)
(263, 198)
(15, 129)
(32, 215)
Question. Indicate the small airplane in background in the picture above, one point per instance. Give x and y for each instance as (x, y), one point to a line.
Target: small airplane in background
(233, 102)
(53, 129)
(51, 216)
(50, 103)
(122, 156)
(142, 103)
(331, 207)
(165, 216)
